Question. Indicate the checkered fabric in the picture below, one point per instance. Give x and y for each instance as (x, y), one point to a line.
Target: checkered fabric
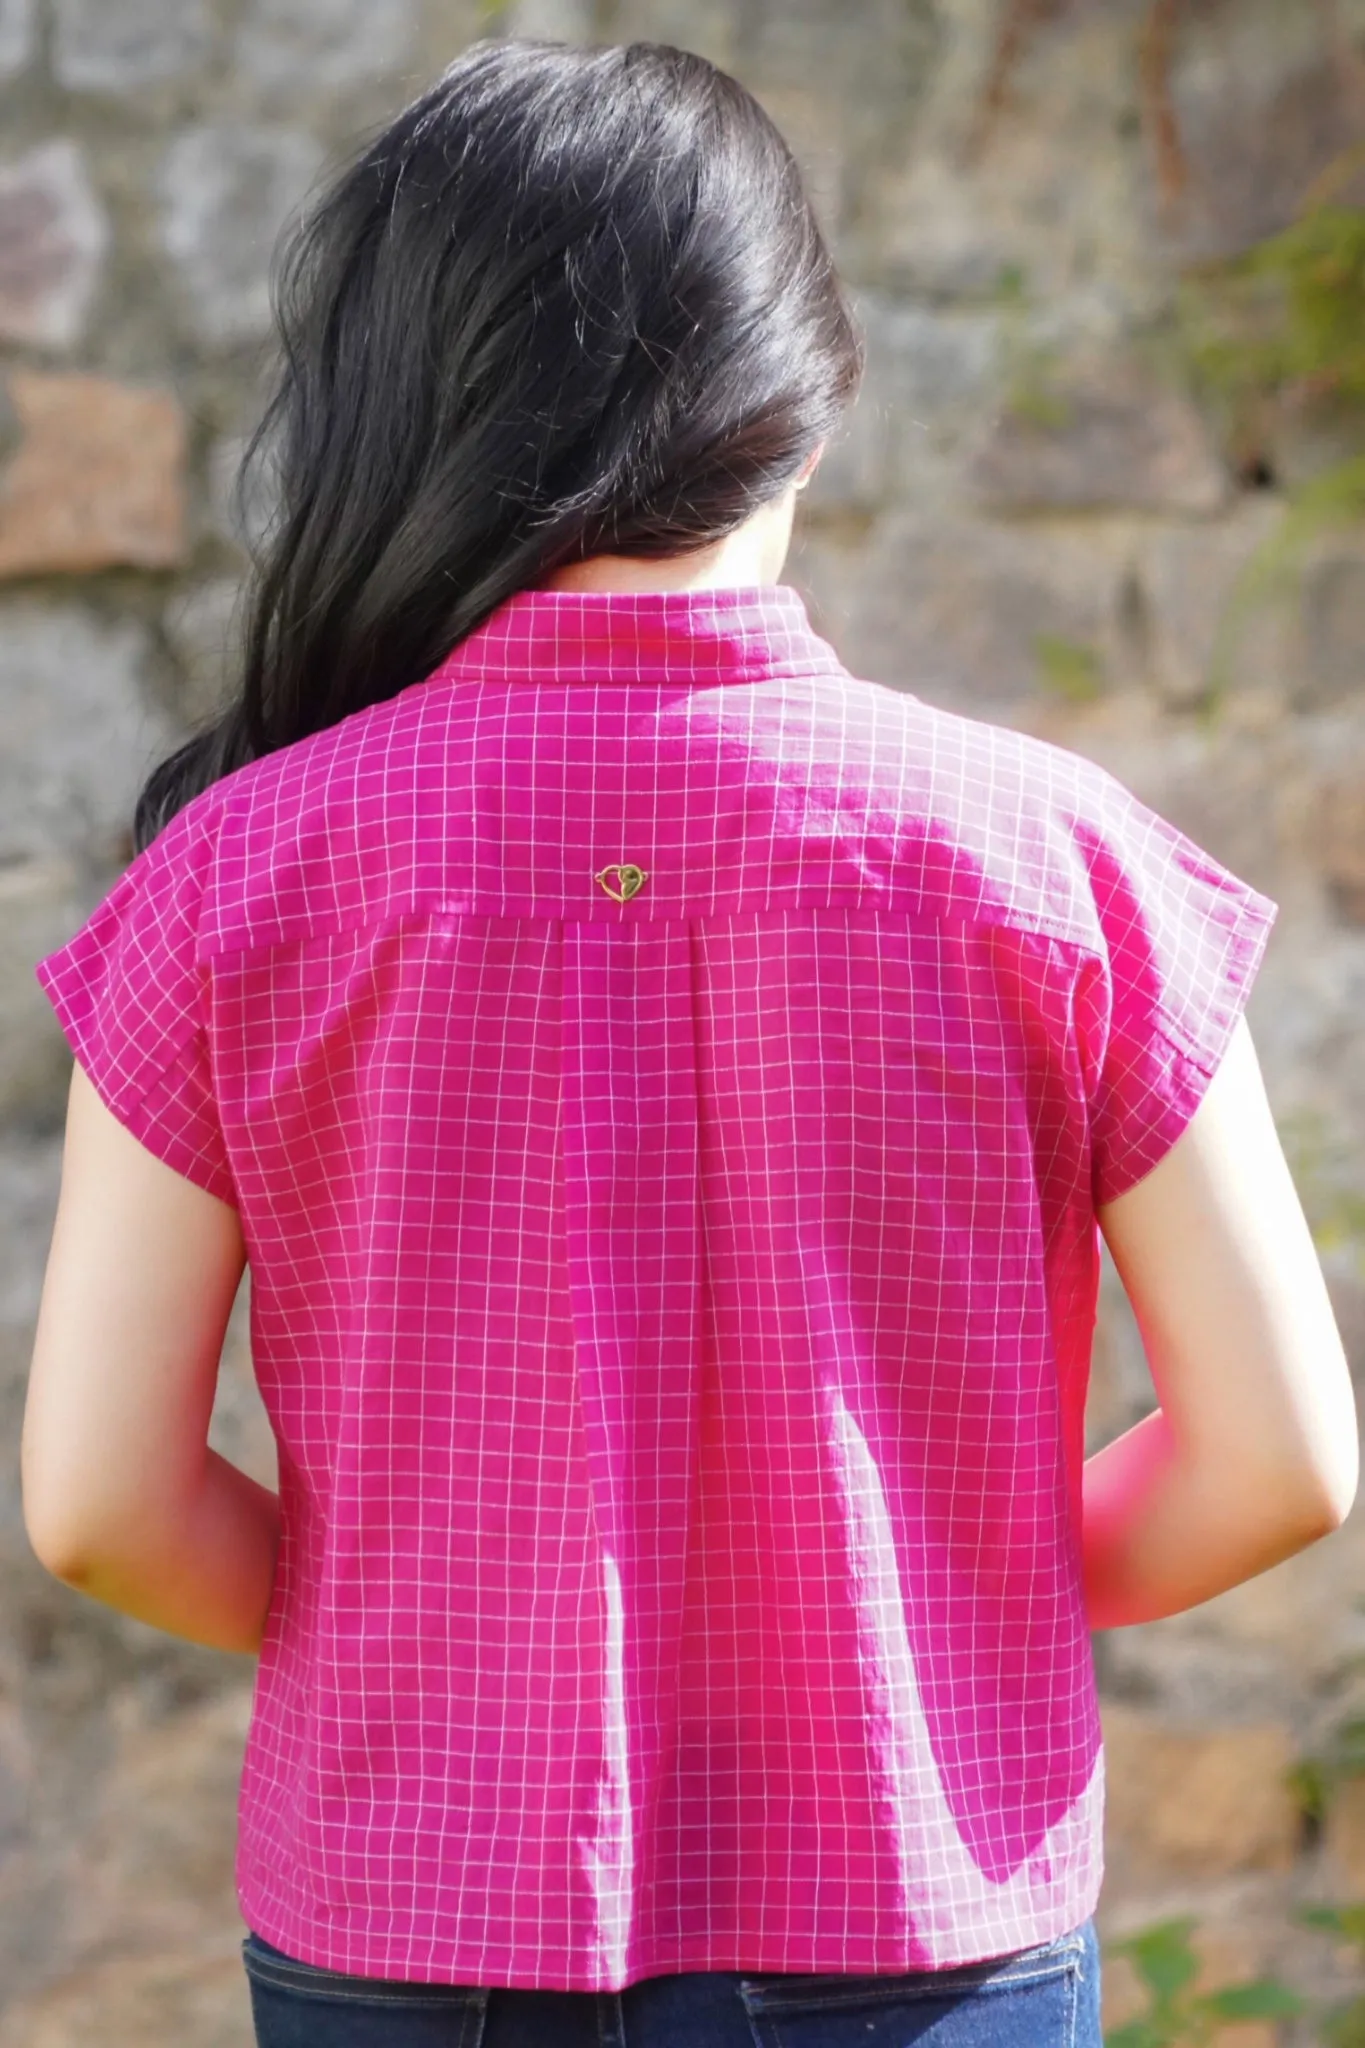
(666, 1083)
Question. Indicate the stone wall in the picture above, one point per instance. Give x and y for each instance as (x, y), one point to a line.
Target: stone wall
(1061, 568)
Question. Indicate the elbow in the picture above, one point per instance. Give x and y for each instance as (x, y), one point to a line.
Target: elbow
(78, 1523)
(1302, 1476)
(62, 1561)
(49, 1536)
(1338, 1499)
(58, 1548)
(1341, 1475)
(95, 1543)
(1320, 1498)
(66, 1544)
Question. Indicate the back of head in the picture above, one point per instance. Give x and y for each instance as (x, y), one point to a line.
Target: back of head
(573, 300)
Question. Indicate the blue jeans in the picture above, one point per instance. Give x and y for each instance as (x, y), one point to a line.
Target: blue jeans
(1046, 1997)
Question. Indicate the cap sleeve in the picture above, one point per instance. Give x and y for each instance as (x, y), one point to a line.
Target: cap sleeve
(129, 992)
(1179, 942)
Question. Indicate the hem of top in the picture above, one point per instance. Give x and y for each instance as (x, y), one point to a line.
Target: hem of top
(1260, 914)
(1045, 1927)
(135, 1113)
(1196, 1065)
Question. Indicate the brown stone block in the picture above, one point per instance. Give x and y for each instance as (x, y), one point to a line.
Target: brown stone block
(157, 1858)
(1208, 1801)
(1341, 842)
(1225, 1957)
(98, 478)
(141, 1999)
(1344, 1837)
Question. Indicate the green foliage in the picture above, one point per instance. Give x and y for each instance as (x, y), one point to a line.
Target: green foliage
(1030, 395)
(1287, 318)
(1346, 1922)
(1166, 1966)
(1275, 331)
(1029, 367)
(1324, 1165)
(1341, 2025)
(1068, 668)
(1278, 328)
(1343, 1756)
(1334, 498)
(1177, 2015)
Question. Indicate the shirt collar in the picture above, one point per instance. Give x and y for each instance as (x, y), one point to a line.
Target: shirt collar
(736, 634)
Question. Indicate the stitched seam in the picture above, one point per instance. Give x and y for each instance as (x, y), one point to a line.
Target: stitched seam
(290, 1963)
(908, 1993)
(1073, 2003)
(261, 1969)
(1064, 1949)
(1037, 925)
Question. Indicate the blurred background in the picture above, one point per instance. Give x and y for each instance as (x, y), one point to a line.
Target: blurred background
(1105, 481)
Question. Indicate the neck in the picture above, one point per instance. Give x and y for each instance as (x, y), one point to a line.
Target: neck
(753, 554)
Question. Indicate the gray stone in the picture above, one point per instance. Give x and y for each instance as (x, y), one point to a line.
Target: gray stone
(938, 362)
(42, 902)
(1341, 840)
(710, 27)
(1184, 611)
(226, 192)
(245, 525)
(844, 93)
(1252, 163)
(1114, 440)
(960, 611)
(53, 240)
(77, 734)
(1120, 1391)
(930, 229)
(567, 21)
(924, 374)
(77, 740)
(116, 46)
(324, 45)
(18, 20)
(239, 1428)
(202, 625)
(1262, 107)
(1333, 629)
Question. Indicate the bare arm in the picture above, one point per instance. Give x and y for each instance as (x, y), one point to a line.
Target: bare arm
(1253, 1453)
(123, 1498)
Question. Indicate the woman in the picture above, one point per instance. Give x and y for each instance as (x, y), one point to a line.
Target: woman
(666, 1089)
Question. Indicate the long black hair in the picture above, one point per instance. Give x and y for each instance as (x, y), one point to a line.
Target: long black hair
(573, 300)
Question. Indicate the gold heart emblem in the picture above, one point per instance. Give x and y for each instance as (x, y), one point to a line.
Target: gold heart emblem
(629, 878)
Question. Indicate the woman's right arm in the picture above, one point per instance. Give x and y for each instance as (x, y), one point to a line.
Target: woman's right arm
(1254, 1452)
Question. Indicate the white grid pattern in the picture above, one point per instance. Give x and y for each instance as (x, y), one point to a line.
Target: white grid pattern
(674, 1315)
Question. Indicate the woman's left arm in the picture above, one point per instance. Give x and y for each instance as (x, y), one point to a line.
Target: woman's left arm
(122, 1496)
